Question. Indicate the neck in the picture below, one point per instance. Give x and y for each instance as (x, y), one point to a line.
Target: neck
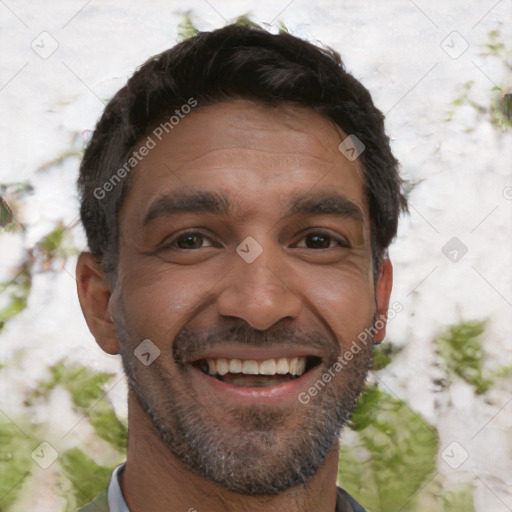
(155, 480)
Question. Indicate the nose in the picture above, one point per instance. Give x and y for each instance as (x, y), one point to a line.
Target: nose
(259, 292)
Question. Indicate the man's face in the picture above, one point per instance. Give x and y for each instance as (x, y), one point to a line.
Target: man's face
(245, 247)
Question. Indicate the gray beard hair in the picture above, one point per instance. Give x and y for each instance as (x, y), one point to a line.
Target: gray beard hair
(259, 458)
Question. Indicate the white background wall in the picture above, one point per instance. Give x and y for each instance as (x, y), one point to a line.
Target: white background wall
(404, 52)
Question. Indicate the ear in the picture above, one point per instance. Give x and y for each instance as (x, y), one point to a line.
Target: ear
(94, 294)
(382, 295)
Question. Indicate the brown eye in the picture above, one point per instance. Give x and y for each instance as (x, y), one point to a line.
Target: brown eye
(191, 240)
(319, 240)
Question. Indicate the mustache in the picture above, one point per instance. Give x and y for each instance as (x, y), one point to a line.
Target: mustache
(188, 343)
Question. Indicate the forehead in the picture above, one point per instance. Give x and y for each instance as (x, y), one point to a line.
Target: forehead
(250, 152)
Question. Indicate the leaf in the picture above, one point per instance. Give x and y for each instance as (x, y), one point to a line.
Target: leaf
(16, 189)
(86, 389)
(54, 245)
(283, 29)
(186, 28)
(83, 384)
(506, 105)
(87, 477)
(503, 371)
(460, 347)
(459, 499)
(6, 215)
(383, 355)
(245, 21)
(15, 461)
(50, 243)
(10, 194)
(108, 426)
(392, 454)
(19, 290)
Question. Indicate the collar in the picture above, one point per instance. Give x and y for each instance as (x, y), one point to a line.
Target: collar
(116, 502)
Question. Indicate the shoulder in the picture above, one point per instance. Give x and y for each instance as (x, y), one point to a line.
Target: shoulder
(98, 504)
(345, 502)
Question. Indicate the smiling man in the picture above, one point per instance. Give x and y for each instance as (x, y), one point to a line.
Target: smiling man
(239, 195)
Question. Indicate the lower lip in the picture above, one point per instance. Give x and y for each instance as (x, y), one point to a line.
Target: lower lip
(286, 391)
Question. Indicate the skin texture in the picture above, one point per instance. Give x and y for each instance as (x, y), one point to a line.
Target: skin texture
(310, 292)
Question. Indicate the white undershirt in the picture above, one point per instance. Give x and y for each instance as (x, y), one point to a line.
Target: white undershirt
(116, 501)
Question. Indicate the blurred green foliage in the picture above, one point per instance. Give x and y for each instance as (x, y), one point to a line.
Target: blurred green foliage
(383, 354)
(10, 194)
(387, 457)
(503, 372)
(389, 453)
(86, 388)
(18, 289)
(245, 21)
(393, 456)
(6, 215)
(82, 478)
(459, 499)
(53, 247)
(15, 460)
(461, 349)
(500, 103)
(51, 242)
(84, 385)
(49, 249)
(495, 46)
(186, 28)
(88, 478)
(505, 105)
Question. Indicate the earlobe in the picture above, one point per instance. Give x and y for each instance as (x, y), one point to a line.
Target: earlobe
(382, 296)
(94, 295)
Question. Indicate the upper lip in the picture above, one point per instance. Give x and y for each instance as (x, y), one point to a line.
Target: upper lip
(244, 352)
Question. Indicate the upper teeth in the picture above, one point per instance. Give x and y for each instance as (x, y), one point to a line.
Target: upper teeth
(281, 366)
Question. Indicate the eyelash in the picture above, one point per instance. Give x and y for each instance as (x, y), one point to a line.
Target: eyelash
(340, 241)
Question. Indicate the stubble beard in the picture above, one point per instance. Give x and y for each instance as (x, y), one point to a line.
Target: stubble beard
(262, 455)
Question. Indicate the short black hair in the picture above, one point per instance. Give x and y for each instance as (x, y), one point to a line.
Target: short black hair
(235, 62)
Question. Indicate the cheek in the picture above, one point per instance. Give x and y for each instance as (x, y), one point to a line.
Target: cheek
(344, 300)
(159, 302)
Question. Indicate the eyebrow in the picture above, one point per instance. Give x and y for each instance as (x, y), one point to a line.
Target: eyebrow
(329, 203)
(180, 202)
(319, 203)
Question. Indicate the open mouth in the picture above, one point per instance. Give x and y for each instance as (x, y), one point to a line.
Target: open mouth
(253, 373)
